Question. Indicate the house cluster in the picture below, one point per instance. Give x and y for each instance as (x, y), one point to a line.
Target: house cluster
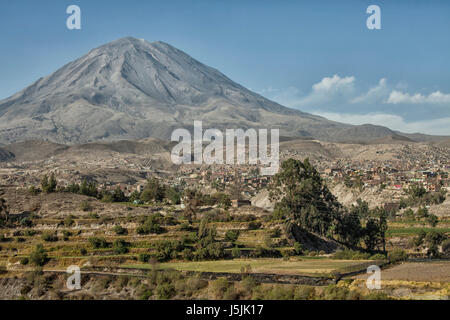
(397, 176)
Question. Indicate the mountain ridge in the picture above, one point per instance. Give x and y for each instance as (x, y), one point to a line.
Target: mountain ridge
(131, 89)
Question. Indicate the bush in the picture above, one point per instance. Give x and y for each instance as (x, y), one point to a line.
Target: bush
(38, 257)
(378, 295)
(184, 227)
(34, 191)
(119, 230)
(298, 248)
(334, 292)
(120, 246)
(144, 257)
(24, 261)
(446, 247)
(378, 256)
(26, 222)
(83, 251)
(165, 291)
(98, 243)
(348, 254)
(397, 255)
(187, 254)
(254, 225)
(432, 220)
(49, 237)
(151, 225)
(85, 205)
(232, 235)
(93, 215)
(166, 249)
(219, 287)
(69, 221)
(304, 292)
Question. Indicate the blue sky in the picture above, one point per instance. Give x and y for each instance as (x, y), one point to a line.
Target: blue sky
(317, 56)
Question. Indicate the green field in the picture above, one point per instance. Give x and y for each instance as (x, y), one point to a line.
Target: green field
(295, 266)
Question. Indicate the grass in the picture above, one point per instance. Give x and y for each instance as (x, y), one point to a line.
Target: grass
(295, 266)
(412, 230)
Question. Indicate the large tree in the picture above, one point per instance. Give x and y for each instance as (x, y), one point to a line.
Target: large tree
(305, 199)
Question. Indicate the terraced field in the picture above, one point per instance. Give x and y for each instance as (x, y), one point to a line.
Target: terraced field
(294, 266)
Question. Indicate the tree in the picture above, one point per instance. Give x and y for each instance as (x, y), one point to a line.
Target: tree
(48, 185)
(349, 228)
(118, 195)
(39, 257)
(371, 234)
(378, 227)
(88, 188)
(433, 239)
(4, 211)
(231, 235)
(173, 195)
(361, 209)
(153, 191)
(304, 197)
(432, 220)
(422, 213)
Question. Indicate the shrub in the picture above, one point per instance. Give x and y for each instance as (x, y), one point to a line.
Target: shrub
(33, 190)
(38, 257)
(83, 251)
(29, 233)
(69, 221)
(165, 291)
(378, 256)
(432, 220)
(24, 261)
(26, 222)
(334, 292)
(275, 232)
(85, 205)
(446, 247)
(219, 287)
(49, 237)
(377, 295)
(348, 254)
(98, 243)
(166, 249)
(150, 225)
(144, 257)
(304, 292)
(254, 225)
(232, 235)
(145, 295)
(120, 246)
(397, 255)
(184, 227)
(187, 254)
(119, 230)
(93, 215)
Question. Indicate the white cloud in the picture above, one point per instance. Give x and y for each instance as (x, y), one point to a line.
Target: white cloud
(435, 98)
(434, 126)
(330, 89)
(338, 98)
(374, 95)
(334, 83)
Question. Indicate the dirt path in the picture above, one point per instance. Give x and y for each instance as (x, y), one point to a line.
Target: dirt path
(438, 271)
